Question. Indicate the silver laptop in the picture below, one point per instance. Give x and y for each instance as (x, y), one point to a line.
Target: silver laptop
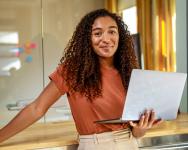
(157, 90)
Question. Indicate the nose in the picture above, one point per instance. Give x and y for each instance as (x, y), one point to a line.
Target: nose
(106, 38)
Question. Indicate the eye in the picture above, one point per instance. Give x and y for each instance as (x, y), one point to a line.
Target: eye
(112, 32)
(97, 34)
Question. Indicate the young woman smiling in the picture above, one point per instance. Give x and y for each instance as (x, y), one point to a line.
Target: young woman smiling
(94, 73)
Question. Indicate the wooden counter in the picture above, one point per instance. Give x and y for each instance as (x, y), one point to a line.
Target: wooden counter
(178, 126)
(60, 134)
(41, 135)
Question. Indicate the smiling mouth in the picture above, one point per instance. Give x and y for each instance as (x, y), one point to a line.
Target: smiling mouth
(106, 47)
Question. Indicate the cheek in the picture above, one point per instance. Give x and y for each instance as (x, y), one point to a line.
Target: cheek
(95, 41)
(116, 41)
(95, 44)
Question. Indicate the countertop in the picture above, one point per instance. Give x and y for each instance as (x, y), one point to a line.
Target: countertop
(59, 134)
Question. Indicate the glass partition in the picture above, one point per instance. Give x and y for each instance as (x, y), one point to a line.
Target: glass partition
(21, 64)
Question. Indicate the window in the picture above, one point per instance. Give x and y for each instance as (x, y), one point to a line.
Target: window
(130, 19)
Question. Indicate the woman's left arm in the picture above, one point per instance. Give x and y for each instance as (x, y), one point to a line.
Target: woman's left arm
(147, 121)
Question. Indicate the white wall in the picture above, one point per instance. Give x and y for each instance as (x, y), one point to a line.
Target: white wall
(181, 45)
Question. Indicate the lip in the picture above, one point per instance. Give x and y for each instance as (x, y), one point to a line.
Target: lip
(105, 47)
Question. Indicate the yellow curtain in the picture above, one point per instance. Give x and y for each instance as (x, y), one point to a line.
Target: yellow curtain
(156, 25)
(111, 5)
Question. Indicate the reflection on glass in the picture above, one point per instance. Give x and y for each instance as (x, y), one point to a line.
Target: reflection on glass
(7, 64)
(8, 59)
(9, 38)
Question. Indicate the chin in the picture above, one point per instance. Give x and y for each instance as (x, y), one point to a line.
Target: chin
(106, 56)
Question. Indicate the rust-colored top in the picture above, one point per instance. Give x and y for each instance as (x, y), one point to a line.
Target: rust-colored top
(85, 113)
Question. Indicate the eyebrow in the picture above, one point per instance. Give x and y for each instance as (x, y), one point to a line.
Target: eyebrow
(111, 27)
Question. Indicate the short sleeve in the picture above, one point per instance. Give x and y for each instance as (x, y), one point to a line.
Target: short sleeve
(58, 79)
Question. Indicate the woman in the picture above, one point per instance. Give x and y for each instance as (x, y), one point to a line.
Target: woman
(94, 73)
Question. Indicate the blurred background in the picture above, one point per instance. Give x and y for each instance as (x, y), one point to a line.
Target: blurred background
(33, 35)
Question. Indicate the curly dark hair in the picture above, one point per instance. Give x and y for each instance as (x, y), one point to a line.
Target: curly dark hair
(82, 64)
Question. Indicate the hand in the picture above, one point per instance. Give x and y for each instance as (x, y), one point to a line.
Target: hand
(147, 121)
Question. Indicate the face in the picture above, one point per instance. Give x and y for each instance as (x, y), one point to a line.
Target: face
(105, 37)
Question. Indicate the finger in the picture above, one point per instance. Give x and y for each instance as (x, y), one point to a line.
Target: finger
(141, 121)
(147, 116)
(157, 122)
(152, 119)
(132, 124)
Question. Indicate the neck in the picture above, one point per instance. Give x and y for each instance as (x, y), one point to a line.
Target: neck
(106, 62)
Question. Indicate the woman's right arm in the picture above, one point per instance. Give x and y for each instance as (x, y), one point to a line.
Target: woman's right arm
(32, 112)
